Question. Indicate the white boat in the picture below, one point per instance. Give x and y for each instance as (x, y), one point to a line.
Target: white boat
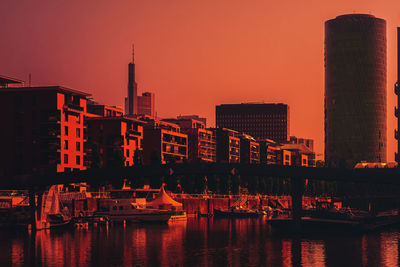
(120, 210)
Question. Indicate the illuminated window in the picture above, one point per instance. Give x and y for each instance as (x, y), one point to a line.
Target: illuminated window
(65, 144)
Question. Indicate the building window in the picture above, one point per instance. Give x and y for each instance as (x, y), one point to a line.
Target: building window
(78, 146)
(65, 116)
(78, 160)
(66, 130)
(78, 119)
(78, 132)
(65, 159)
(127, 153)
(65, 144)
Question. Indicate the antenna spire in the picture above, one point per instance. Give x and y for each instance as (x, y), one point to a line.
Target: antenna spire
(133, 53)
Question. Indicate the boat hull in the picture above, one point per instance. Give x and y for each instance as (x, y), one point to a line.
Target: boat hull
(236, 214)
(329, 225)
(159, 216)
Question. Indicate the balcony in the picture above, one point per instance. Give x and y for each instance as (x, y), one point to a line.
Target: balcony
(50, 117)
(134, 133)
(73, 107)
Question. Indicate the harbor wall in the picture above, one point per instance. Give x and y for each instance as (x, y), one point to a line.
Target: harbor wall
(205, 205)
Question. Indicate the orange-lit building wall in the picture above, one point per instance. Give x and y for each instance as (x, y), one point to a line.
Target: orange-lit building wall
(103, 110)
(171, 146)
(228, 145)
(44, 132)
(284, 157)
(146, 104)
(110, 134)
(202, 145)
(249, 151)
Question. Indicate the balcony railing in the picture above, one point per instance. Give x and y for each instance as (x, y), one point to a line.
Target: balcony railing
(73, 107)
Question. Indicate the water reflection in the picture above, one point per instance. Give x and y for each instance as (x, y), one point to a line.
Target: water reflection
(198, 242)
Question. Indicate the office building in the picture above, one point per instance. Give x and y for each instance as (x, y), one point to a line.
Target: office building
(146, 104)
(260, 120)
(355, 90)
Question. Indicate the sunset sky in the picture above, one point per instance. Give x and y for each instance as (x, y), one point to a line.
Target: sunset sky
(192, 54)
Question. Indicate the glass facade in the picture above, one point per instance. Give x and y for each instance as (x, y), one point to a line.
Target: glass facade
(355, 90)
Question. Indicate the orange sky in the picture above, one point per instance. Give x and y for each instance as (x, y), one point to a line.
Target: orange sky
(191, 54)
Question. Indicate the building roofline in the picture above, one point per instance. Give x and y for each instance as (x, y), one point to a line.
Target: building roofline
(45, 88)
(8, 80)
(253, 103)
(110, 118)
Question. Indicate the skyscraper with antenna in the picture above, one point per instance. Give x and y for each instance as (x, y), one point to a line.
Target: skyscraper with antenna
(131, 101)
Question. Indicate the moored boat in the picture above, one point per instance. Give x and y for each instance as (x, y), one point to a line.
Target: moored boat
(335, 220)
(125, 210)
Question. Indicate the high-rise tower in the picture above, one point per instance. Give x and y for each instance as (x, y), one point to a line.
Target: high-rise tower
(355, 90)
(131, 100)
(397, 92)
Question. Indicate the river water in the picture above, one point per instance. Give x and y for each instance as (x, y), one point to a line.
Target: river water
(197, 242)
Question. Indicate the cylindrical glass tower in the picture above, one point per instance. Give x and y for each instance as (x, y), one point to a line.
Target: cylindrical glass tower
(355, 90)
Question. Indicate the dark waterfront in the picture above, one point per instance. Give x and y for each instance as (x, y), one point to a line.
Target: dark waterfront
(197, 242)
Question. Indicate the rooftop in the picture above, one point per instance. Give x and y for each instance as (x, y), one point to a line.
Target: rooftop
(121, 118)
(4, 81)
(45, 88)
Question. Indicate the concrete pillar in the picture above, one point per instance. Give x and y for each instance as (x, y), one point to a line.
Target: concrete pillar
(32, 205)
(297, 200)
